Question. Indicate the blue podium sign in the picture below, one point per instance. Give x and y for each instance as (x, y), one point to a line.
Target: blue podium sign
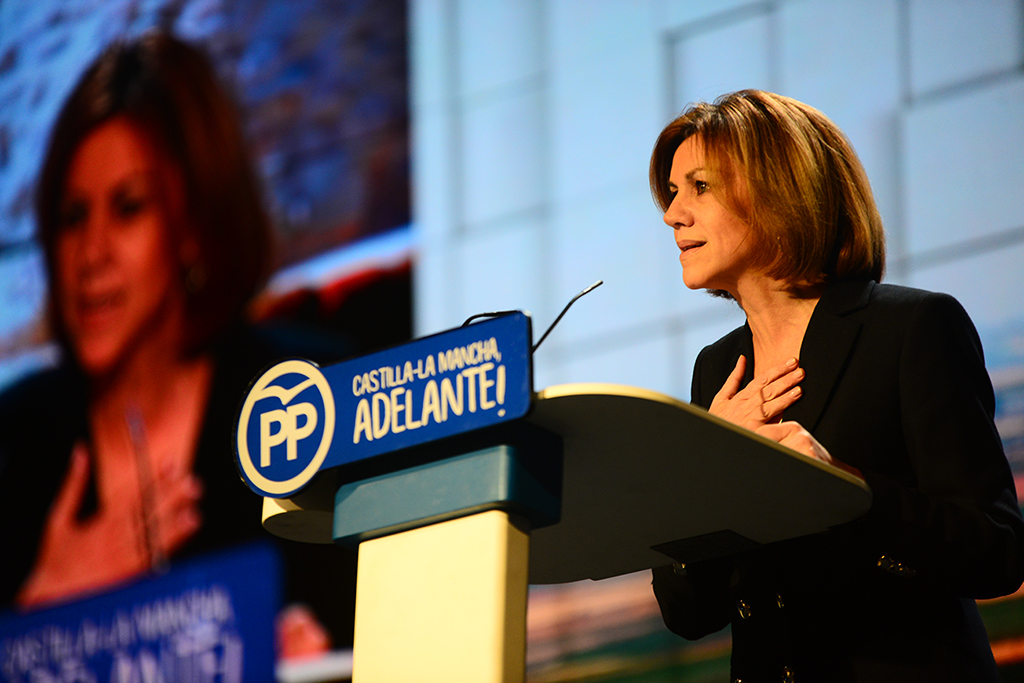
(298, 419)
(209, 619)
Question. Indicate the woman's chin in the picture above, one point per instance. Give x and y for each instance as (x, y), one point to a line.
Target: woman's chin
(694, 282)
(98, 358)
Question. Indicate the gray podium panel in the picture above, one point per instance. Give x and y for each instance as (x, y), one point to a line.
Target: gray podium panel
(643, 470)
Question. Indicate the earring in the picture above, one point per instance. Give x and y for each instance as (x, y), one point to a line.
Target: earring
(195, 278)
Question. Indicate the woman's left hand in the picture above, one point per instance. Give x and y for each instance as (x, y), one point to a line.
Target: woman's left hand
(793, 435)
(300, 635)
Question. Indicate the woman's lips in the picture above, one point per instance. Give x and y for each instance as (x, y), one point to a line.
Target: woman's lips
(96, 310)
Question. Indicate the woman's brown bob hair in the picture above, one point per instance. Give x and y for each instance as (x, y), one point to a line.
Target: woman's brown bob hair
(170, 92)
(792, 176)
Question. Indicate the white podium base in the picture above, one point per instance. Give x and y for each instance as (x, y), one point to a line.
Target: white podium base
(444, 603)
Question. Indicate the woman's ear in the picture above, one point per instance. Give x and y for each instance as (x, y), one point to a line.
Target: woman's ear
(188, 251)
(192, 266)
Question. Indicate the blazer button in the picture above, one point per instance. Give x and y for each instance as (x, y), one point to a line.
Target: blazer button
(895, 568)
(744, 609)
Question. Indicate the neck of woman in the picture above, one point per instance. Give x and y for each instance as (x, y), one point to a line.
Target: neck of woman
(778, 316)
(154, 404)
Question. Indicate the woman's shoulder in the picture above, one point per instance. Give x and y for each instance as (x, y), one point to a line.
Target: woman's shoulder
(904, 296)
(41, 396)
(917, 324)
(850, 296)
(245, 351)
(912, 306)
(891, 306)
(248, 349)
(40, 417)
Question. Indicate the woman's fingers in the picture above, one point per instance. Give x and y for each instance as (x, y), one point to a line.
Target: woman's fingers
(779, 371)
(300, 634)
(793, 435)
(734, 380)
(779, 380)
(177, 508)
(721, 404)
(775, 406)
(172, 510)
(777, 389)
(763, 399)
(783, 431)
(69, 500)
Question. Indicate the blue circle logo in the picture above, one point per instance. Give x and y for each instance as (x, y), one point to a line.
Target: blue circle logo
(285, 428)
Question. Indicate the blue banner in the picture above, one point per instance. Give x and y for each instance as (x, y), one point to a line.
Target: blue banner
(208, 620)
(298, 419)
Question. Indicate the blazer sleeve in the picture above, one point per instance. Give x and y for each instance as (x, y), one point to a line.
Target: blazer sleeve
(959, 525)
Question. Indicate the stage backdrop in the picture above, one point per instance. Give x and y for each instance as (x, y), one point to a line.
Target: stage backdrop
(535, 121)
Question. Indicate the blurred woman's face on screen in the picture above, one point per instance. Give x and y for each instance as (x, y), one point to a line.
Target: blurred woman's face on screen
(117, 263)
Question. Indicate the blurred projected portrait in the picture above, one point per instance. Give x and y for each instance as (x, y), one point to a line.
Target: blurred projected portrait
(117, 461)
(154, 236)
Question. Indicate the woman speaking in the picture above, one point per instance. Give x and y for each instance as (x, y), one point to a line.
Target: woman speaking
(770, 207)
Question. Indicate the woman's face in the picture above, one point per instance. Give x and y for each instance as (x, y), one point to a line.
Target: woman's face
(715, 244)
(117, 265)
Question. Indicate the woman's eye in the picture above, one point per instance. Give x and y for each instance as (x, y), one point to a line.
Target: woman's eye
(700, 186)
(73, 215)
(127, 207)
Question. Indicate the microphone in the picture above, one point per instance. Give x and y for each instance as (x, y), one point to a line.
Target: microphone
(571, 302)
(544, 336)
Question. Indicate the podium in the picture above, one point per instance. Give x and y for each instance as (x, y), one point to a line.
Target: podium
(594, 481)
(460, 485)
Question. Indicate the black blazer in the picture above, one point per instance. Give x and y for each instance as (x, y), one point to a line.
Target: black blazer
(896, 386)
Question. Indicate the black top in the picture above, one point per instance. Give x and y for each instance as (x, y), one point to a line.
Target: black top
(896, 386)
(42, 417)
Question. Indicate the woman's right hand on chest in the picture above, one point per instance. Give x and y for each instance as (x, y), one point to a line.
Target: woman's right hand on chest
(763, 400)
(79, 556)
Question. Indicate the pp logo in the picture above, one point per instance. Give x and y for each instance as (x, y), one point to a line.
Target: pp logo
(285, 428)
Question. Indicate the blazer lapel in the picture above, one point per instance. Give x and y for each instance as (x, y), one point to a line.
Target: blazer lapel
(827, 344)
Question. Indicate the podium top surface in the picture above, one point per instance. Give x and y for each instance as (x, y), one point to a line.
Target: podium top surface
(643, 469)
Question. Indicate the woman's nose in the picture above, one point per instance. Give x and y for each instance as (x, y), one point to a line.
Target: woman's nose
(678, 215)
(94, 247)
